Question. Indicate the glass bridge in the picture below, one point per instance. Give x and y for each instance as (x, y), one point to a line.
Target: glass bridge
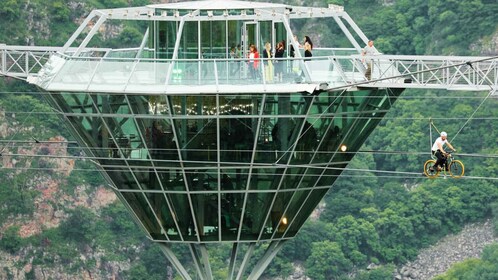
(203, 150)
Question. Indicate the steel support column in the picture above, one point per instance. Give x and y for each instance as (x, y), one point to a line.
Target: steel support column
(174, 261)
(197, 261)
(270, 253)
(205, 262)
(233, 259)
(245, 261)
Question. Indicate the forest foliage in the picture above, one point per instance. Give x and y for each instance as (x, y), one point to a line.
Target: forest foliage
(368, 217)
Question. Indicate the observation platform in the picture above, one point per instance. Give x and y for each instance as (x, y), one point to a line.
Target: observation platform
(327, 71)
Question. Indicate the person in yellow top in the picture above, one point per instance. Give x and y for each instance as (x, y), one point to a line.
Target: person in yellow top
(267, 55)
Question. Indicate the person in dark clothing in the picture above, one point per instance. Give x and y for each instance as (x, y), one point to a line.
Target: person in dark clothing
(279, 64)
(308, 47)
(292, 50)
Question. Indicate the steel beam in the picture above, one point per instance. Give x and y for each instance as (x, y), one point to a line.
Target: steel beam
(245, 261)
(174, 261)
(270, 253)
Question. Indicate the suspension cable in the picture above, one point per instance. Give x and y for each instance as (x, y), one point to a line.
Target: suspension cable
(491, 92)
(403, 174)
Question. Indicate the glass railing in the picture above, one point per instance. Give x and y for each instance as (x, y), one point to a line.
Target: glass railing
(117, 73)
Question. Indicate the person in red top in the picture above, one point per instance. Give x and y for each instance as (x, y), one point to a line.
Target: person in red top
(253, 61)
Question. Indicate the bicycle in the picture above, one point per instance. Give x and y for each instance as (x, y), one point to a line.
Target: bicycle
(456, 167)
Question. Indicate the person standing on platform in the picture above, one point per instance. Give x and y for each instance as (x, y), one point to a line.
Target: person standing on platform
(308, 47)
(253, 62)
(368, 51)
(267, 61)
(279, 64)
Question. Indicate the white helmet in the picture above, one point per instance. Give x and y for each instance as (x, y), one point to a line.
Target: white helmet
(444, 134)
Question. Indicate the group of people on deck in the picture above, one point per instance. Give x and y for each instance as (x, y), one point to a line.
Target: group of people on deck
(274, 68)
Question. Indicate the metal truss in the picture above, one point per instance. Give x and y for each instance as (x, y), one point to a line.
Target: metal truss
(21, 61)
(435, 72)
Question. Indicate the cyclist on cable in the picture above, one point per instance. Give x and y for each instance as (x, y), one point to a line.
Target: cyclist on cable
(438, 151)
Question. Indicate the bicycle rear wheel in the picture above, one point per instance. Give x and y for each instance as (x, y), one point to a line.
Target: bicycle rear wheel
(456, 169)
(427, 169)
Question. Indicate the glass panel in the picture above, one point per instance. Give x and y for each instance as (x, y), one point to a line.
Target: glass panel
(257, 207)
(236, 134)
(190, 41)
(183, 216)
(116, 104)
(111, 75)
(231, 202)
(250, 38)
(309, 178)
(213, 39)
(123, 133)
(193, 72)
(139, 205)
(167, 39)
(161, 142)
(202, 180)
(77, 103)
(308, 205)
(235, 37)
(199, 143)
(293, 206)
(266, 28)
(279, 219)
(293, 178)
(82, 127)
(90, 129)
(122, 177)
(163, 213)
(157, 232)
(206, 215)
(75, 72)
(280, 35)
(282, 136)
(150, 74)
(305, 144)
(172, 179)
(146, 177)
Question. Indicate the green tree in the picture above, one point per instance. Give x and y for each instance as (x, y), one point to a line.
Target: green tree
(80, 226)
(379, 273)
(11, 242)
(327, 261)
(358, 238)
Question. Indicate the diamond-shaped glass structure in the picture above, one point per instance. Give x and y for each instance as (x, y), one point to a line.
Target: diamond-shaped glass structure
(204, 143)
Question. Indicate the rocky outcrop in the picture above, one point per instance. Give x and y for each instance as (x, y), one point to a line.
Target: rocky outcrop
(3, 124)
(487, 46)
(50, 203)
(297, 274)
(452, 249)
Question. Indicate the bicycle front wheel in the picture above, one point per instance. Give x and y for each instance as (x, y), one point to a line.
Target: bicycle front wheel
(456, 169)
(428, 171)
